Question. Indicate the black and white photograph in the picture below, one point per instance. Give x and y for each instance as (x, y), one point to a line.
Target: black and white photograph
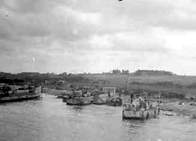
(97, 70)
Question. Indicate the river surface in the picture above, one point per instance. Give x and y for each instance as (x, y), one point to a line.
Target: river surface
(49, 119)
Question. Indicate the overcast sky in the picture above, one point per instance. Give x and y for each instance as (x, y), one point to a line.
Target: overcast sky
(97, 35)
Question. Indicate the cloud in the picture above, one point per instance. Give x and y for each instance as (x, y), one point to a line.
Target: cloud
(75, 35)
(28, 6)
(21, 20)
(176, 14)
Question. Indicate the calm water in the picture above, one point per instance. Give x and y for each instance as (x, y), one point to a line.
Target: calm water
(49, 119)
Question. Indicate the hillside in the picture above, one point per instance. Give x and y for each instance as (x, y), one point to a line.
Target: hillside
(152, 82)
(141, 79)
(152, 73)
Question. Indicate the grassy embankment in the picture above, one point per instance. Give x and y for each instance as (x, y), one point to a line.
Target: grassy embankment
(185, 85)
(173, 83)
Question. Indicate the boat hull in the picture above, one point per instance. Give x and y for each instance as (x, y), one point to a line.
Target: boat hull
(20, 95)
(115, 101)
(140, 115)
(80, 101)
(65, 98)
(99, 101)
(18, 98)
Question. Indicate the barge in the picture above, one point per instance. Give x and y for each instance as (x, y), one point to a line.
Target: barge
(140, 110)
(10, 93)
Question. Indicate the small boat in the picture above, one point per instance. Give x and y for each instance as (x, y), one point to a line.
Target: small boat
(107, 99)
(80, 100)
(168, 113)
(114, 101)
(59, 96)
(18, 98)
(100, 99)
(139, 112)
(66, 97)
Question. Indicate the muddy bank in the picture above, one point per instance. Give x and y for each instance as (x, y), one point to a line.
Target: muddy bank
(187, 108)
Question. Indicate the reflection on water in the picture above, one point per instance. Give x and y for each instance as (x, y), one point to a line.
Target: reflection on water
(49, 119)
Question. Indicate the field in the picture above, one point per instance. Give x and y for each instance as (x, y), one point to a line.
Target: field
(142, 79)
(122, 78)
(171, 83)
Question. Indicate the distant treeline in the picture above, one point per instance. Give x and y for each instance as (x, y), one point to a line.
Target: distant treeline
(163, 84)
(117, 71)
(152, 72)
(141, 72)
(113, 78)
(39, 78)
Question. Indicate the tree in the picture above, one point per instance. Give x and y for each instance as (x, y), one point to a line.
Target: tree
(125, 71)
(116, 71)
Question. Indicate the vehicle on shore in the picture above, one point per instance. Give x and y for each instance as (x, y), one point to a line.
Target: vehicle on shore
(9, 93)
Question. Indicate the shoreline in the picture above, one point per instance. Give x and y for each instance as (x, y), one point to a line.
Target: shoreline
(180, 107)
